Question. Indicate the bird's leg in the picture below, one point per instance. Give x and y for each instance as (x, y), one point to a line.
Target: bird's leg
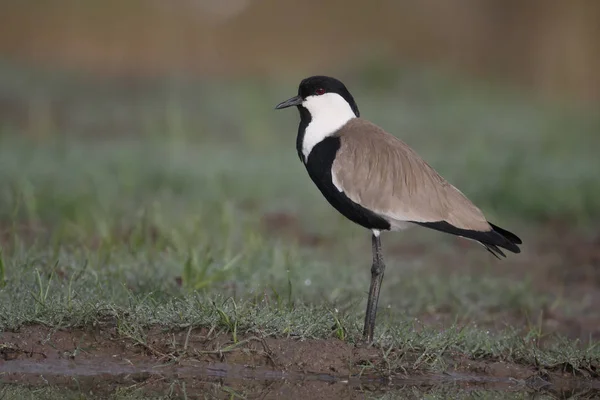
(377, 270)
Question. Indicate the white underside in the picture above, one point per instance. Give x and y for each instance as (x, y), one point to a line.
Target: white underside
(329, 112)
(395, 226)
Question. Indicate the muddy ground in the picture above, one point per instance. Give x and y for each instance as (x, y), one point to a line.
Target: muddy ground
(99, 361)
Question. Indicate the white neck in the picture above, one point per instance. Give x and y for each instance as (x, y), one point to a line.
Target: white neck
(329, 112)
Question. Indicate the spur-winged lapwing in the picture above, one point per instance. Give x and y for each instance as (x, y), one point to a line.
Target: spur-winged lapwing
(377, 181)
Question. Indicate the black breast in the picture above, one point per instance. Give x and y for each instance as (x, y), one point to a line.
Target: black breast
(318, 165)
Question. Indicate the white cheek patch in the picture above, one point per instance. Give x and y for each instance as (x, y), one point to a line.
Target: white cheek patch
(329, 112)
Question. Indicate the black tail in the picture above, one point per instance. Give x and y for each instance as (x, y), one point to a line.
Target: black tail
(491, 240)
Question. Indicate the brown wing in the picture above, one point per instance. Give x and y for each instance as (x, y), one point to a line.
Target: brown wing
(383, 174)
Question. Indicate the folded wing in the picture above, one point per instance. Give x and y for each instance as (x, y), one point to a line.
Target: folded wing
(382, 173)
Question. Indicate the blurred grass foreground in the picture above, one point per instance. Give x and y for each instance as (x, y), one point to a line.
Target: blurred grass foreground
(145, 179)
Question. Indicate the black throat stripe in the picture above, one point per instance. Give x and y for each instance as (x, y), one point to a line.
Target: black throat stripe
(319, 163)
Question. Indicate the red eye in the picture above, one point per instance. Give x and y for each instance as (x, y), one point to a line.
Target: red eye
(320, 91)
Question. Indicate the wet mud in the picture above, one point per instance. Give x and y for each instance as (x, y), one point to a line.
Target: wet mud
(196, 363)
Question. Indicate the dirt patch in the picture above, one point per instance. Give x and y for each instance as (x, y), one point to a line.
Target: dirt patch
(203, 361)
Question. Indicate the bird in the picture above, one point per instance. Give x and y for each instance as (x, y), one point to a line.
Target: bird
(377, 181)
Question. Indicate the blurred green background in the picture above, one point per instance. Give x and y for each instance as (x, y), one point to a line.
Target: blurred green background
(140, 155)
(548, 46)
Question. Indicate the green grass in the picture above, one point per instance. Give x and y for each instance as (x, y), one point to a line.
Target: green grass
(96, 222)
(147, 208)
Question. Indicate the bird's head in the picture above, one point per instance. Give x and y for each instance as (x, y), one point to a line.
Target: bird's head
(323, 95)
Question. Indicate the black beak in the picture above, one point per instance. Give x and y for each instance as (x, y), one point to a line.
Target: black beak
(294, 101)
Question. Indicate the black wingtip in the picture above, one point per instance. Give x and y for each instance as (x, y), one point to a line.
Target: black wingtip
(505, 239)
(492, 240)
(509, 235)
(495, 251)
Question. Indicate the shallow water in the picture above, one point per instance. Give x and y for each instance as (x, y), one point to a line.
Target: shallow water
(188, 379)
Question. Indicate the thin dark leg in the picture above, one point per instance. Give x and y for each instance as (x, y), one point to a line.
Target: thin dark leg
(377, 270)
